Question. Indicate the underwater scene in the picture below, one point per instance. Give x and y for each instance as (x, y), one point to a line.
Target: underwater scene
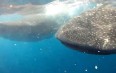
(57, 36)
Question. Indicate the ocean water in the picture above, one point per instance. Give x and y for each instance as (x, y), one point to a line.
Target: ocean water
(50, 56)
(10, 17)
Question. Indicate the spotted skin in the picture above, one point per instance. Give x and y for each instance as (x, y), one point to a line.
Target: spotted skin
(93, 31)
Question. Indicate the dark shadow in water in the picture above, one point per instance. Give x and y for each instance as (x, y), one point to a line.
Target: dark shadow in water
(22, 31)
(89, 50)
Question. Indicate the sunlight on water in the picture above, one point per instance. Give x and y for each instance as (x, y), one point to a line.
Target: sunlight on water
(68, 7)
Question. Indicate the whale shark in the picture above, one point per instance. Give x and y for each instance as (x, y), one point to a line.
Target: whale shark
(32, 29)
(92, 32)
(26, 23)
(36, 22)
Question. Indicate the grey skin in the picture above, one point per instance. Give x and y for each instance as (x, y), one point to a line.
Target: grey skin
(34, 26)
(92, 32)
(29, 29)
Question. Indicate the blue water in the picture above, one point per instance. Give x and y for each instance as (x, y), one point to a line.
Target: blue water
(50, 56)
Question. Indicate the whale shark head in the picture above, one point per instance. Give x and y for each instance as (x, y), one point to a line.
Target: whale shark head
(93, 31)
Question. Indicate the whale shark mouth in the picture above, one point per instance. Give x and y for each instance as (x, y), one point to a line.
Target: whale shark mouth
(26, 22)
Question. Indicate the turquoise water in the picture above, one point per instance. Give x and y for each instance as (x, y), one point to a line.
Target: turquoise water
(49, 56)
(10, 17)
